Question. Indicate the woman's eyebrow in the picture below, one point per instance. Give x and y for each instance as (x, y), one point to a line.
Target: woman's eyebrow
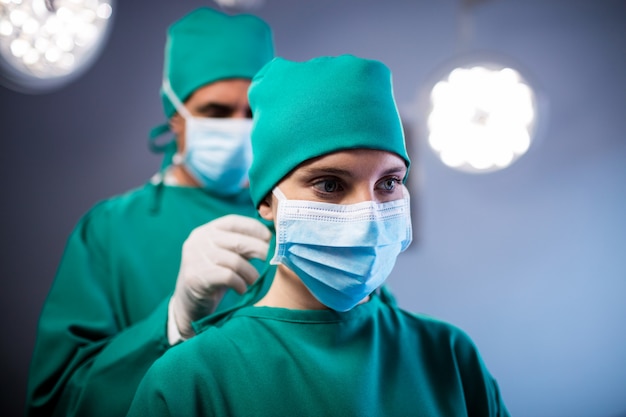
(395, 170)
(333, 170)
(327, 170)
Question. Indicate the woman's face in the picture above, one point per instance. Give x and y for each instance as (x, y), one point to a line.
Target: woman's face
(344, 177)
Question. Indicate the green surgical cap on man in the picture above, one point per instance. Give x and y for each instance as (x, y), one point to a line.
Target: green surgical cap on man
(207, 46)
(303, 110)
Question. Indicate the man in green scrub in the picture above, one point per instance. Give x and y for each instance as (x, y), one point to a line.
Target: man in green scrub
(326, 339)
(127, 288)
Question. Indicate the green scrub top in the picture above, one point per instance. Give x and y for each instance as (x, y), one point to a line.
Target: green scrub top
(374, 360)
(104, 321)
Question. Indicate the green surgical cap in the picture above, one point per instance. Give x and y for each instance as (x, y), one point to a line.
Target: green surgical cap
(303, 110)
(207, 46)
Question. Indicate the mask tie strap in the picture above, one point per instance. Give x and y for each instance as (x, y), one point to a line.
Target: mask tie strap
(155, 134)
(180, 107)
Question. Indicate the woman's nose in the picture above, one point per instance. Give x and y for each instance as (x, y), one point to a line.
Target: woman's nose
(360, 194)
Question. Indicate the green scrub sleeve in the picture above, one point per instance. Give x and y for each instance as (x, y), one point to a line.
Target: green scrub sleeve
(481, 391)
(90, 353)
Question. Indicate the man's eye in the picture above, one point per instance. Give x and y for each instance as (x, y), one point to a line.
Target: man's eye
(220, 113)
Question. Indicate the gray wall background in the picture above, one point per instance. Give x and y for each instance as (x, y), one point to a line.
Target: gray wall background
(530, 261)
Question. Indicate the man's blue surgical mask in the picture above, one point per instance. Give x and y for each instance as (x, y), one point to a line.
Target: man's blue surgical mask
(218, 152)
(342, 253)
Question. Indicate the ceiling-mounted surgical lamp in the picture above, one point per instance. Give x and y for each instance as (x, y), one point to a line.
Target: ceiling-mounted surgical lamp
(480, 113)
(45, 44)
(482, 116)
(239, 5)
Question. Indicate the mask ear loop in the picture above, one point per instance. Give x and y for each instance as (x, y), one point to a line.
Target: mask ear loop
(279, 249)
(405, 192)
(409, 232)
(279, 194)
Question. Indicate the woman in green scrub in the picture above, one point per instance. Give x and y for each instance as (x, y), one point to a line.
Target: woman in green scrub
(121, 296)
(326, 339)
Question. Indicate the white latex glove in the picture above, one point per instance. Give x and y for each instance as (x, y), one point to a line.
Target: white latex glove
(214, 258)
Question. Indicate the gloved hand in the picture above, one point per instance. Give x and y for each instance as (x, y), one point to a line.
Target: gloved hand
(214, 258)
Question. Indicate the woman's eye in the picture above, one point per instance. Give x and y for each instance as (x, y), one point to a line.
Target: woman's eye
(389, 184)
(328, 186)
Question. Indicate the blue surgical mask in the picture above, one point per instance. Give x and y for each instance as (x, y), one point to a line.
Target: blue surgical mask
(342, 253)
(218, 152)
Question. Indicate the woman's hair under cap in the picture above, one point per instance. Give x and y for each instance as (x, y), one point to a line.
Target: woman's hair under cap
(206, 46)
(303, 110)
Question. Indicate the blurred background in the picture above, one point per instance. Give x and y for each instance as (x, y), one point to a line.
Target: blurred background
(529, 260)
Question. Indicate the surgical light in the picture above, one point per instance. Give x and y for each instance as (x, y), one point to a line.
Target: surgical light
(481, 117)
(45, 44)
(239, 4)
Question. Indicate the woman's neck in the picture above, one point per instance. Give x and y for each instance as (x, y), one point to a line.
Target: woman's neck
(288, 291)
